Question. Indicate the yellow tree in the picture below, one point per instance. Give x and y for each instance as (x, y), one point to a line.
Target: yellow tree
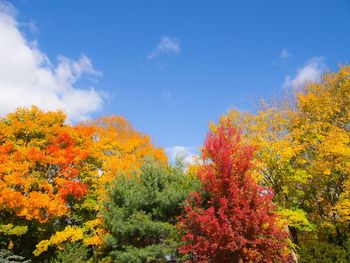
(321, 127)
(304, 154)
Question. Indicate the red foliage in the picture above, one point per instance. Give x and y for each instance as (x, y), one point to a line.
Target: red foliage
(233, 219)
(73, 188)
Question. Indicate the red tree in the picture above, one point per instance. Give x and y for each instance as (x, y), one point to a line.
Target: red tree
(233, 219)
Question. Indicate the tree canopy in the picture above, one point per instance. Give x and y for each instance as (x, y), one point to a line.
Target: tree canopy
(233, 219)
(268, 185)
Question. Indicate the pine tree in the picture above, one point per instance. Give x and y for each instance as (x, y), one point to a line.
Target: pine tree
(142, 211)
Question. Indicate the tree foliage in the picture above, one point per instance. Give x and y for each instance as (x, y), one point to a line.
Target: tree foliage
(323, 252)
(303, 155)
(52, 176)
(233, 219)
(72, 253)
(141, 213)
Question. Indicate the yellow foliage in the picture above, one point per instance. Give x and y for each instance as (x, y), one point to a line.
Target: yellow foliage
(70, 233)
(10, 229)
(296, 218)
(10, 245)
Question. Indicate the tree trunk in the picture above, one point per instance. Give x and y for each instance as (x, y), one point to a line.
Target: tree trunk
(236, 258)
(293, 234)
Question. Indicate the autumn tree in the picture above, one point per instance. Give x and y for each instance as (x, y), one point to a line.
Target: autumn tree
(275, 160)
(40, 180)
(321, 128)
(303, 155)
(52, 175)
(232, 219)
(118, 148)
(115, 147)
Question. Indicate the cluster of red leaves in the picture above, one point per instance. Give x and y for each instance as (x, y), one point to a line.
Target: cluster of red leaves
(66, 154)
(233, 219)
(72, 188)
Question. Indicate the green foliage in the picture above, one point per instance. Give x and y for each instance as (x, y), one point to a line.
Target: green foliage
(10, 229)
(72, 253)
(141, 213)
(297, 218)
(322, 252)
(7, 256)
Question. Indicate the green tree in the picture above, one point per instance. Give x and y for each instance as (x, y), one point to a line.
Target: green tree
(322, 252)
(142, 212)
(72, 253)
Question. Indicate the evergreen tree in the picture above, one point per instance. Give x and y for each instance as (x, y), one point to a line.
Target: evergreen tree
(142, 212)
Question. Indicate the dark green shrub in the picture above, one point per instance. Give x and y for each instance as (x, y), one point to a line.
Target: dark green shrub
(72, 253)
(322, 252)
(6, 256)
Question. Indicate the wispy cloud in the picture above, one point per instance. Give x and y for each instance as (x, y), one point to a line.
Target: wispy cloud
(284, 54)
(28, 77)
(311, 72)
(167, 95)
(167, 45)
(181, 152)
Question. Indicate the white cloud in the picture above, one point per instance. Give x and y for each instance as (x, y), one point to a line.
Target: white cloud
(311, 72)
(284, 54)
(27, 76)
(167, 45)
(191, 159)
(183, 153)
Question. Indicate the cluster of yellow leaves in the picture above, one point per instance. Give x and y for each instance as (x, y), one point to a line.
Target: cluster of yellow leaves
(10, 229)
(94, 232)
(70, 233)
(90, 233)
(342, 208)
(296, 218)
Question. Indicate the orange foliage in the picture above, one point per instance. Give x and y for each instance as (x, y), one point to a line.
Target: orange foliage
(120, 147)
(48, 167)
(40, 164)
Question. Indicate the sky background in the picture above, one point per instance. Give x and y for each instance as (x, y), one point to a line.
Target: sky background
(169, 67)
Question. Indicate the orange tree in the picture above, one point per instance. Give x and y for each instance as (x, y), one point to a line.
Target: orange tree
(40, 176)
(52, 173)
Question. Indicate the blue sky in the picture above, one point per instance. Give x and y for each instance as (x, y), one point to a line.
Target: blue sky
(169, 67)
